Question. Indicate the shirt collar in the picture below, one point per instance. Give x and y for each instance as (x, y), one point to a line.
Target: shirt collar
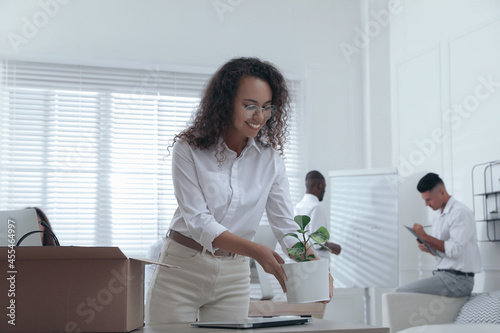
(448, 206)
(250, 143)
(311, 197)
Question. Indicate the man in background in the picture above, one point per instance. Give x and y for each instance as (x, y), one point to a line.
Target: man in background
(310, 206)
(454, 238)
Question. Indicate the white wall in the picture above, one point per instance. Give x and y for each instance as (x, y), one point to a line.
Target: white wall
(440, 50)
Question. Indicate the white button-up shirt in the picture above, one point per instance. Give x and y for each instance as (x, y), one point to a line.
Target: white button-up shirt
(231, 196)
(310, 206)
(456, 226)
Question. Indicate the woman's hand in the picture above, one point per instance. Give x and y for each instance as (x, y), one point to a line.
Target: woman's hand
(331, 286)
(330, 278)
(271, 263)
(267, 258)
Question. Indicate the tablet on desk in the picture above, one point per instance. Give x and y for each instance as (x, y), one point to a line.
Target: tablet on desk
(254, 322)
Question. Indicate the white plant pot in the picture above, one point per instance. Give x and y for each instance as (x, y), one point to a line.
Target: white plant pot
(307, 281)
(493, 216)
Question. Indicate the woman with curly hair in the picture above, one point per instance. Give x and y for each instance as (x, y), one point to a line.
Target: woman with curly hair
(227, 168)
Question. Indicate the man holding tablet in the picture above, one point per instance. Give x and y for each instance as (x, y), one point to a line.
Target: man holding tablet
(453, 237)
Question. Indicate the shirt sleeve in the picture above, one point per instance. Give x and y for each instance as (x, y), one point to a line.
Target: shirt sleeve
(201, 224)
(462, 229)
(279, 207)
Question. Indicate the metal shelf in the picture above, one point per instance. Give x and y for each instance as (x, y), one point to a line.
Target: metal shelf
(488, 193)
(486, 196)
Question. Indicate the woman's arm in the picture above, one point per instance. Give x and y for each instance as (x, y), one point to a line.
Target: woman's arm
(266, 257)
(192, 201)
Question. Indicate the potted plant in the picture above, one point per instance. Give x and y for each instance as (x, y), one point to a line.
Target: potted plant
(308, 278)
(493, 215)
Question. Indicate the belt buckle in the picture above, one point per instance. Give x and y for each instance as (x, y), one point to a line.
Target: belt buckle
(213, 254)
(223, 254)
(227, 254)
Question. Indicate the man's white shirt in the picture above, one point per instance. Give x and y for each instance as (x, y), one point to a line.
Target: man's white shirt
(310, 206)
(456, 226)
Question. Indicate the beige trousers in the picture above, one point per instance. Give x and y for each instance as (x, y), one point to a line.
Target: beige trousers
(205, 288)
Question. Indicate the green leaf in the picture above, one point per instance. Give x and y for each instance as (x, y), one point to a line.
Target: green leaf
(324, 246)
(300, 245)
(290, 234)
(302, 221)
(321, 235)
(297, 250)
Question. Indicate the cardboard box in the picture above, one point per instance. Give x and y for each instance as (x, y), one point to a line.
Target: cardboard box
(71, 289)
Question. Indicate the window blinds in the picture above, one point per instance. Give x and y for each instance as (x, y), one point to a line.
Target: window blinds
(88, 145)
(364, 220)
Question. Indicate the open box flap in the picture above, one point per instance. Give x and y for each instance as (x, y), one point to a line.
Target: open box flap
(63, 253)
(72, 253)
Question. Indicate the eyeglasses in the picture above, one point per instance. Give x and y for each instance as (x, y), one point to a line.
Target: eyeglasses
(251, 111)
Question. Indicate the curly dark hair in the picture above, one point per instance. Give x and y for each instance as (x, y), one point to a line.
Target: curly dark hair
(215, 111)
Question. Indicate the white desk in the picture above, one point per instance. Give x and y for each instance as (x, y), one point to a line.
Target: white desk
(282, 308)
(316, 326)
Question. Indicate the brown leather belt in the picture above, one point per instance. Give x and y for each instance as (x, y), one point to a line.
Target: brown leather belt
(192, 244)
